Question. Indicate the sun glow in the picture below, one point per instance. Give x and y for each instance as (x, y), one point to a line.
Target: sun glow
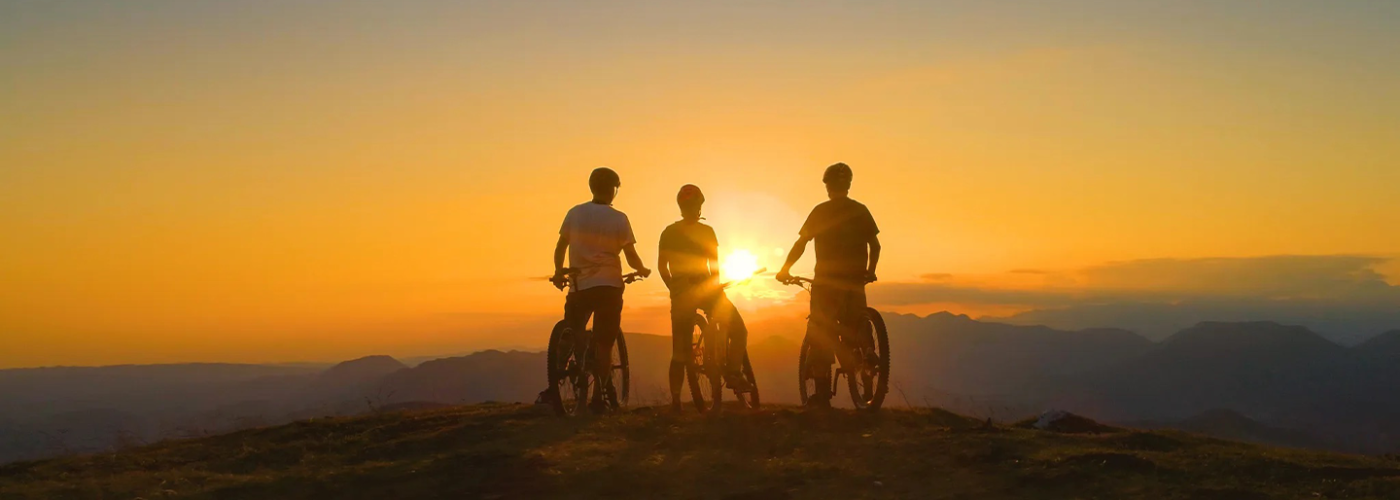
(739, 265)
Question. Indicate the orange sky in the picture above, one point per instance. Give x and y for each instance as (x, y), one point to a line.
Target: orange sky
(270, 182)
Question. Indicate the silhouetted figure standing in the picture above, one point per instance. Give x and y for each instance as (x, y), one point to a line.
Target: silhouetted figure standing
(688, 260)
(848, 251)
(593, 234)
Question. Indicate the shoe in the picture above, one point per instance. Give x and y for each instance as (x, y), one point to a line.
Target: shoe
(737, 382)
(676, 407)
(548, 397)
(599, 407)
(818, 403)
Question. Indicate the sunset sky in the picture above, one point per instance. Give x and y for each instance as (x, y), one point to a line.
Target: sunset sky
(264, 180)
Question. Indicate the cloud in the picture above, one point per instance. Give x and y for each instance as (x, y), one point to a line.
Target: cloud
(1341, 295)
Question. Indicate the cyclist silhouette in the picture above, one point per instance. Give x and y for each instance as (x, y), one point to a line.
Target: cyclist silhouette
(593, 234)
(848, 250)
(688, 261)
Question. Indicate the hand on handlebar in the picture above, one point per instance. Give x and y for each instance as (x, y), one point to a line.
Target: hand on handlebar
(784, 277)
(560, 279)
(636, 276)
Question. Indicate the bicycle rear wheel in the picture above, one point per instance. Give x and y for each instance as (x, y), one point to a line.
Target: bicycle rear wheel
(703, 387)
(870, 381)
(806, 384)
(620, 386)
(567, 379)
(748, 400)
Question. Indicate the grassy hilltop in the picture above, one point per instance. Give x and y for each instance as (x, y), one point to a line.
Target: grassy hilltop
(517, 451)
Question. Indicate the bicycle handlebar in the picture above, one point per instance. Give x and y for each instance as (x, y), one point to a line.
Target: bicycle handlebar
(569, 274)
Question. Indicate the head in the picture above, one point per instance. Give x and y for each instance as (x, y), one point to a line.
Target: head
(690, 199)
(604, 183)
(838, 180)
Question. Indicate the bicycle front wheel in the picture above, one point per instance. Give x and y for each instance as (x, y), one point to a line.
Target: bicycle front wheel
(621, 388)
(565, 371)
(703, 387)
(748, 400)
(870, 380)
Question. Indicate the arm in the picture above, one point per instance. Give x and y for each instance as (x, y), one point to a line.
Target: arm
(874, 259)
(663, 266)
(634, 260)
(560, 249)
(796, 253)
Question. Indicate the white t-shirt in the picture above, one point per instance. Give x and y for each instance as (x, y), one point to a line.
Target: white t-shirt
(596, 234)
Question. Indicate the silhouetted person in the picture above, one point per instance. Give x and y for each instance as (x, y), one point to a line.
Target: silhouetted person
(847, 253)
(593, 234)
(688, 261)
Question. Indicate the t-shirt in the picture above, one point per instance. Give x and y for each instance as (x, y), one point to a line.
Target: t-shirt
(596, 234)
(692, 245)
(841, 229)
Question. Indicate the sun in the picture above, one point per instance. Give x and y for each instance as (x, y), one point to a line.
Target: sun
(739, 265)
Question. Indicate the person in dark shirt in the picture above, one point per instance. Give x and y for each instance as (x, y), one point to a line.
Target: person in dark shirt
(848, 250)
(689, 264)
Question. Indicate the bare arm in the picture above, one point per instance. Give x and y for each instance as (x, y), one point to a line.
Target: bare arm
(634, 260)
(798, 249)
(663, 266)
(560, 250)
(874, 258)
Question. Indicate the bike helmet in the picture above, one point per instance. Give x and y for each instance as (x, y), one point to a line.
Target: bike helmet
(603, 179)
(690, 195)
(839, 172)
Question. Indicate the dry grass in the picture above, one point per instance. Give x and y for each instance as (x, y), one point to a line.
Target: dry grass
(516, 451)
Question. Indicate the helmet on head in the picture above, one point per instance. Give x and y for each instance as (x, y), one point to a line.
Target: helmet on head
(839, 172)
(690, 195)
(603, 179)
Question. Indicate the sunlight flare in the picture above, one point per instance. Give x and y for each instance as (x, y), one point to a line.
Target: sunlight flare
(739, 265)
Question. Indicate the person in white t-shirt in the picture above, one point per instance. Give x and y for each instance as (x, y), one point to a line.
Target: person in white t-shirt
(593, 234)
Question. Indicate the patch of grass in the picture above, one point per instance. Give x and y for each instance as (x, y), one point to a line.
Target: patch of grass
(516, 451)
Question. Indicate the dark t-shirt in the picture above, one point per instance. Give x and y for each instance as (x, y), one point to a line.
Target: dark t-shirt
(692, 245)
(842, 228)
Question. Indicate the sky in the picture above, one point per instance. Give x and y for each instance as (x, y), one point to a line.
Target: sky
(305, 180)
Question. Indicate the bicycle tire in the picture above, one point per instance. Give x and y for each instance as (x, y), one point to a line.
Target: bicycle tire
(699, 384)
(803, 374)
(748, 400)
(869, 392)
(622, 375)
(561, 367)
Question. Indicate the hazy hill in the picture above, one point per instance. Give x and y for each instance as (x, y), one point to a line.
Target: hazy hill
(1283, 377)
(1260, 368)
(360, 371)
(954, 361)
(516, 451)
(1343, 324)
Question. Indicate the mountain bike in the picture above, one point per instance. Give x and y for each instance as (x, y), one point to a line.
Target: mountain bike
(570, 364)
(710, 355)
(862, 356)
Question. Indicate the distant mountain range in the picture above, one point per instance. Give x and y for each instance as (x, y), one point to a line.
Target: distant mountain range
(1257, 381)
(1342, 323)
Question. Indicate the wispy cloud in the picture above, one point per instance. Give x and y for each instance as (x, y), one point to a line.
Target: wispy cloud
(1343, 295)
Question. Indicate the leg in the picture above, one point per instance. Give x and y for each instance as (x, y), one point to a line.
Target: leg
(728, 316)
(682, 337)
(578, 307)
(607, 325)
(821, 327)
